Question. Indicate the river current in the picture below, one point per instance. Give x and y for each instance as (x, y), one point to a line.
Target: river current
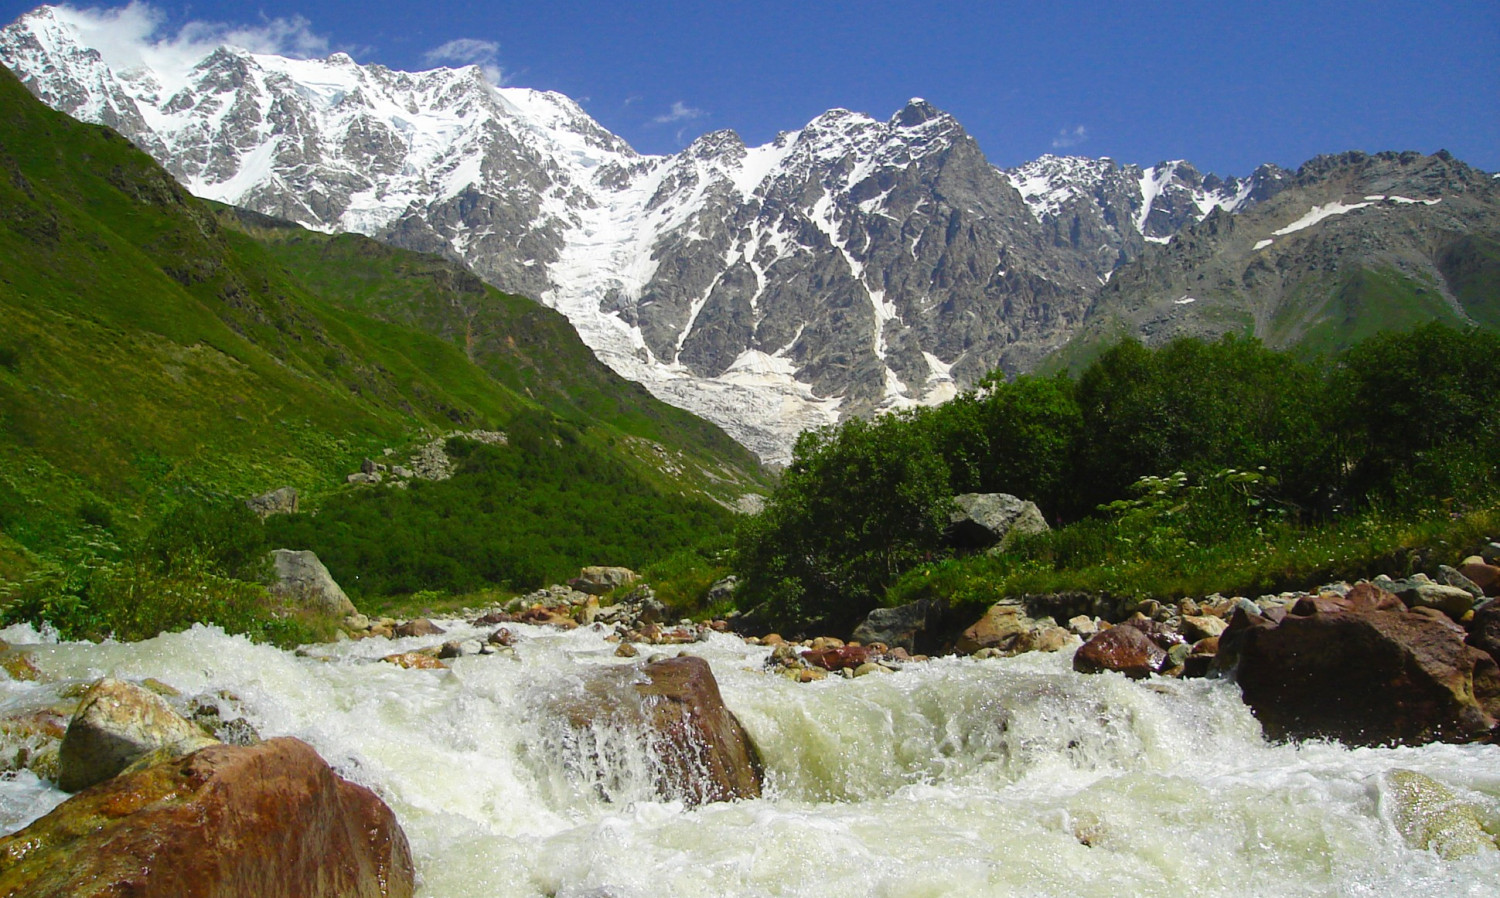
(952, 777)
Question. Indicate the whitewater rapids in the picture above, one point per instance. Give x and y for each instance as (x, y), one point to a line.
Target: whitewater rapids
(952, 777)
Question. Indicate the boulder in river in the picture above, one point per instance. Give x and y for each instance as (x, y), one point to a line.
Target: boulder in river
(701, 751)
(1364, 670)
(1430, 817)
(1007, 629)
(116, 724)
(1125, 649)
(269, 821)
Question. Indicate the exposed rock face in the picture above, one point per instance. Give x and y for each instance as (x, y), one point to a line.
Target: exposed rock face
(992, 520)
(302, 578)
(922, 627)
(277, 501)
(1364, 670)
(1007, 629)
(597, 580)
(1319, 260)
(265, 821)
(116, 724)
(701, 752)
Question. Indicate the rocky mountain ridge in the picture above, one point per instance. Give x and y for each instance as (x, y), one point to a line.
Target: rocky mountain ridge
(851, 266)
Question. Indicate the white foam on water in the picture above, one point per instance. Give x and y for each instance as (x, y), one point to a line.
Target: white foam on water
(953, 777)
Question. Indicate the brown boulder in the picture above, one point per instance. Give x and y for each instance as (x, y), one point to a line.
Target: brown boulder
(1367, 674)
(1004, 627)
(269, 820)
(1485, 576)
(415, 661)
(837, 657)
(419, 627)
(702, 752)
(1122, 648)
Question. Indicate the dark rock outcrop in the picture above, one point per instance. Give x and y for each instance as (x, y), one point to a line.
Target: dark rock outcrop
(923, 627)
(268, 821)
(1364, 670)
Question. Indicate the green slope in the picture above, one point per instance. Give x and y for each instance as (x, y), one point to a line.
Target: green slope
(531, 349)
(153, 347)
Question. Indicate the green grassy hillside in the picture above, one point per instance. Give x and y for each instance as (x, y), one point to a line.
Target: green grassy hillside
(154, 348)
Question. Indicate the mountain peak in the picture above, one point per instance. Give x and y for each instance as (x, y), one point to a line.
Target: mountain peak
(917, 112)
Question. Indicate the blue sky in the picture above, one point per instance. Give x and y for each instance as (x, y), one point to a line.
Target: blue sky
(1226, 86)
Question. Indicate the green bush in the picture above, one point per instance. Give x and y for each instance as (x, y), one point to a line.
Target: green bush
(1414, 416)
(1187, 467)
(94, 592)
(859, 504)
(219, 534)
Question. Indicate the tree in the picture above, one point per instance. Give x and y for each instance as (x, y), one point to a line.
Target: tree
(859, 505)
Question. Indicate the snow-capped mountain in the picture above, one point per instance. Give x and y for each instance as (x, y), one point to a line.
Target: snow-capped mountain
(850, 266)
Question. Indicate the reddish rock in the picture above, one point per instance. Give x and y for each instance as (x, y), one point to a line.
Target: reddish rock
(1485, 576)
(704, 753)
(269, 821)
(838, 657)
(502, 636)
(415, 661)
(1366, 674)
(546, 617)
(1122, 648)
(1206, 646)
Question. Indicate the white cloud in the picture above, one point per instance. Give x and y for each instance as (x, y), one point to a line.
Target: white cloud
(470, 51)
(137, 34)
(680, 112)
(1070, 137)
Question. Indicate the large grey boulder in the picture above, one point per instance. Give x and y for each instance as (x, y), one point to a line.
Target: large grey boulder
(598, 580)
(302, 578)
(117, 724)
(924, 626)
(992, 520)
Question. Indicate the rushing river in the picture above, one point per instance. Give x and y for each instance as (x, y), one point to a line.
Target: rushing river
(952, 777)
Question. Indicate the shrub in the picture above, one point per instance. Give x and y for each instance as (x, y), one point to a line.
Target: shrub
(859, 504)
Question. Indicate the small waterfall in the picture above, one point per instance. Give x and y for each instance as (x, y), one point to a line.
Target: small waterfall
(953, 777)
